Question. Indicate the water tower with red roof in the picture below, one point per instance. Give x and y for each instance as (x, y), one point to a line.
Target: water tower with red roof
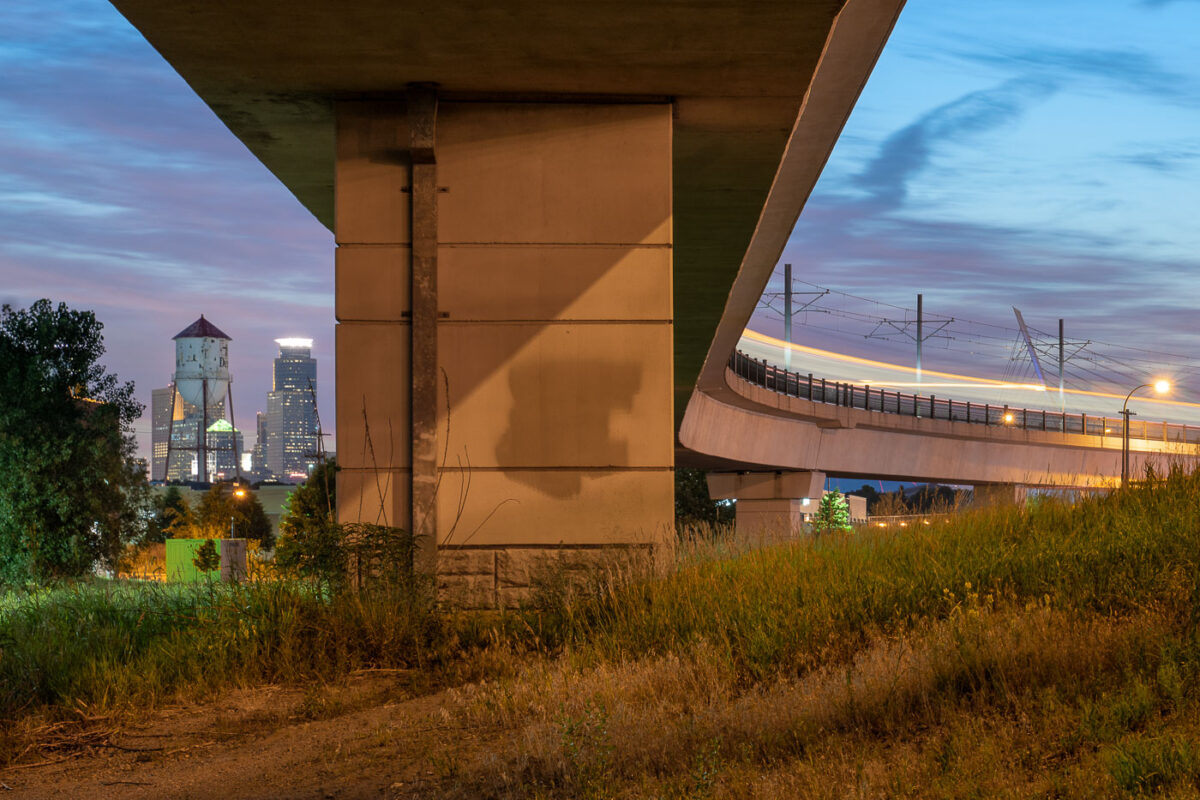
(201, 378)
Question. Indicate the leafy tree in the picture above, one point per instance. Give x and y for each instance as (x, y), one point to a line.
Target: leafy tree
(317, 551)
(178, 518)
(833, 515)
(222, 512)
(311, 542)
(313, 545)
(207, 558)
(869, 493)
(693, 504)
(253, 523)
(70, 491)
(166, 510)
(313, 500)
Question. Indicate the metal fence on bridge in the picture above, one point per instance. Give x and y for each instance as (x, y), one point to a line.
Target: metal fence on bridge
(887, 401)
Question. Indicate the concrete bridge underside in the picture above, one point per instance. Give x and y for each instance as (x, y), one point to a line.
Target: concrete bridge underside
(772, 452)
(748, 428)
(552, 221)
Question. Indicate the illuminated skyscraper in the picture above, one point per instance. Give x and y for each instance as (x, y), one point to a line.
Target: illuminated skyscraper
(259, 458)
(225, 443)
(160, 415)
(291, 448)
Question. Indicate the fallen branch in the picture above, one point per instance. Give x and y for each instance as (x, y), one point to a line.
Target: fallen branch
(40, 763)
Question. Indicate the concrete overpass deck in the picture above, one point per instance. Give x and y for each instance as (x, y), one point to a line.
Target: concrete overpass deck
(767, 418)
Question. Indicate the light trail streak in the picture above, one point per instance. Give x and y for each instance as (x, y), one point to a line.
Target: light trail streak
(949, 379)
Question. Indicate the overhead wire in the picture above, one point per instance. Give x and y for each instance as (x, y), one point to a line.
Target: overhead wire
(1089, 364)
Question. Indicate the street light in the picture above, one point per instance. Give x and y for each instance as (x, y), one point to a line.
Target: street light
(238, 493)
(1160, 387)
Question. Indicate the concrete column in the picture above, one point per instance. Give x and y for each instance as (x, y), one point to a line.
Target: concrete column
(554, 334)
(769, 502)
(998, 494)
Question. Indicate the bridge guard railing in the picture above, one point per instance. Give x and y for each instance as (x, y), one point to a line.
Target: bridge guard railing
(820, 390)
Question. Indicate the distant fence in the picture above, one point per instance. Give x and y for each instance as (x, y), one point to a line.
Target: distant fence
(837, 393)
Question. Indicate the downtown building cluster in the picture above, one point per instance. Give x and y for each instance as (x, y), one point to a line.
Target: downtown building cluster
(287, 440)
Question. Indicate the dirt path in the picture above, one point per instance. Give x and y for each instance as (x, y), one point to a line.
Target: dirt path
(260, 743)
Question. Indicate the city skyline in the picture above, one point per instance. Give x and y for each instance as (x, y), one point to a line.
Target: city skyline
(989, 163)
(124, 194)
(285, 445)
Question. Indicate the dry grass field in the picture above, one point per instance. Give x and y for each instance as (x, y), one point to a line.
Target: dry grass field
(1050, 651)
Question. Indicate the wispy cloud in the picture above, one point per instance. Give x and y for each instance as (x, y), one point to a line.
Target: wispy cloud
(1129, 70)
(1162, 3)
(908, 151)
(1171, 160)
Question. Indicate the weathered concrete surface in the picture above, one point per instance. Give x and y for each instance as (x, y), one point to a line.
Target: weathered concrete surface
(998, 494)
(765, 485)
(748, 427)
(506, 577)
(554, 393)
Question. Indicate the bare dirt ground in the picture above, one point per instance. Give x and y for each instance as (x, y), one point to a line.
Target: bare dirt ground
(363, 739)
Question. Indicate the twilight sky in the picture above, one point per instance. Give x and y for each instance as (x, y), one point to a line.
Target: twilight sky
(1043, 155)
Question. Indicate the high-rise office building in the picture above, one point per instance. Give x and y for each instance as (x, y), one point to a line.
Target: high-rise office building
(225, 447)
(258, 459)
(291, 448)
(160, 419)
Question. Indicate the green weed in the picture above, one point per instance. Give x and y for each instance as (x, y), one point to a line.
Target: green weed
(1150, 764)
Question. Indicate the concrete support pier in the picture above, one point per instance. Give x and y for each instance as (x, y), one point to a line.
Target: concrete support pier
(504, 339)
(989, 495)
(769, 502)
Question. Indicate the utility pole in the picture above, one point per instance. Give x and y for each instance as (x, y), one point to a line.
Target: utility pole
(901, 327)
(790, 309)
(1062, 401)
(920, 333)
(1125, 415)
(787, 316)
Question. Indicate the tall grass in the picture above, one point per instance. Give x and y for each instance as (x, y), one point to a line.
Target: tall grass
(742, 653)
(114, 646)
(1053, 646)
(792, 606)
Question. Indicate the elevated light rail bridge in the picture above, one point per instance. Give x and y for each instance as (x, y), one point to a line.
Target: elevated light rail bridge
(866, 398)
(784, 432)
